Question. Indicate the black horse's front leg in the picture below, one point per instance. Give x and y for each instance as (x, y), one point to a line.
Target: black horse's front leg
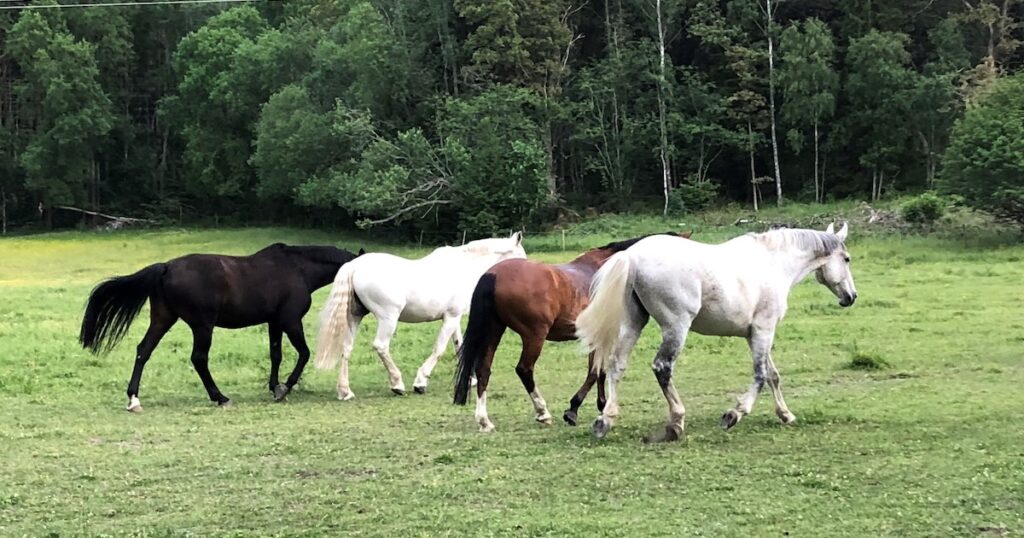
(202, 339)
(275, 333)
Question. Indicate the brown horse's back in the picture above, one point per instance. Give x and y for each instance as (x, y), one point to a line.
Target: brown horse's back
(538, 299)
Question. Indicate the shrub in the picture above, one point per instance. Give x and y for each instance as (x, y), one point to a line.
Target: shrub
(691, 197)
(863, 360)
(924, 209)
(984, 161)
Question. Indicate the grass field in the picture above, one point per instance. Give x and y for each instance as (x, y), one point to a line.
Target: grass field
(931, 443)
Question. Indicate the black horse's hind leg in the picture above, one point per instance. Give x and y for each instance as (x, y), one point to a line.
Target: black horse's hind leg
(160, 321)
(202, 338)
(275, 333)
(298, 340)
(570, 415)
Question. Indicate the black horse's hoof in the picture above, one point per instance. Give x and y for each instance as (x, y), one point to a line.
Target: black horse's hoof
(225, 404)
(280, 392)
(420, 390)
(569, 417)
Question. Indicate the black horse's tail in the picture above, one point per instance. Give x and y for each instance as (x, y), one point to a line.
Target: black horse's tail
(113, 305)
(483, 329)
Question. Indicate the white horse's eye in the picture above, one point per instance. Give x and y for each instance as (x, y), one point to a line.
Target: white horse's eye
(846, 259)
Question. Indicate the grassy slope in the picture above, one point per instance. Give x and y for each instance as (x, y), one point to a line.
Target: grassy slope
(931, 445)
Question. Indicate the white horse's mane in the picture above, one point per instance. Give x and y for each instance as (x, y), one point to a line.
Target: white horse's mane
(820, 243)
(483, 247)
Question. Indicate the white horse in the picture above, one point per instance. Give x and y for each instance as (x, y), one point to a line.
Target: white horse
(437, 286)
(737, 288)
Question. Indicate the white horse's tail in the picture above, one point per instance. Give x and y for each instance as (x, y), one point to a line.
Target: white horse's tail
(334, 319)
(598, 325)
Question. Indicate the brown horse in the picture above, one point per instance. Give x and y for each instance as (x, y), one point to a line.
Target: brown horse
(539, 301)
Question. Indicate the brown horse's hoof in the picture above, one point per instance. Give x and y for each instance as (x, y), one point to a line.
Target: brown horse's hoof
(569, 417)
(280, 391)
(225, 404)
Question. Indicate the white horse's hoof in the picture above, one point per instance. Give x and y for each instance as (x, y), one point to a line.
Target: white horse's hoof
(730, 418)
(786, 417)
(544, 419)
(601, 427)
(487, 429)
(346, 397)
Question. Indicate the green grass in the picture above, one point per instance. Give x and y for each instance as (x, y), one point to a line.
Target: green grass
(930, 445)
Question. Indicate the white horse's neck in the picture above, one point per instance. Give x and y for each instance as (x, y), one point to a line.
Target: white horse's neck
(792, 261)
(797, 264)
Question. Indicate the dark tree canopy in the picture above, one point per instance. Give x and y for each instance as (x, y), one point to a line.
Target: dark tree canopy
(477, 116)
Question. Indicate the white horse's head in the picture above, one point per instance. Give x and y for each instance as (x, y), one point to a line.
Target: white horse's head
(504, 248)
(834, 272)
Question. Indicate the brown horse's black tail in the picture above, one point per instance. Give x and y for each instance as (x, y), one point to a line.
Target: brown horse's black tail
(483, 325)
(113, 305)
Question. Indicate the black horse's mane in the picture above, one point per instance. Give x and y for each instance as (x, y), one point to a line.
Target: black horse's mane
(315, 253)
(619, 246)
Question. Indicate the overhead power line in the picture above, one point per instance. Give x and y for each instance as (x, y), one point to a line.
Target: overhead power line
(120, 4)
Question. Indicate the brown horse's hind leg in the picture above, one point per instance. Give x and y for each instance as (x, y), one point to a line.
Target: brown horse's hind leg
(570, 415)
(531, 352)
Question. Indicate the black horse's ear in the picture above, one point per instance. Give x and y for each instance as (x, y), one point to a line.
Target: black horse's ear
(361, 252)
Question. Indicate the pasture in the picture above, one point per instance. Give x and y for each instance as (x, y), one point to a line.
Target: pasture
(908, 408)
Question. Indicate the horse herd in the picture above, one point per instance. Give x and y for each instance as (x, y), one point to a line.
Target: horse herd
(604, 297)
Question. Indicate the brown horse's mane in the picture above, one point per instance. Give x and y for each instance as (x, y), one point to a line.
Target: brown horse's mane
(619, 246)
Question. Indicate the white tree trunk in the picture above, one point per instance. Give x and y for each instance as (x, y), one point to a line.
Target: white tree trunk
(771, 99)
(753, 172)
(819, 191)
(666, 174)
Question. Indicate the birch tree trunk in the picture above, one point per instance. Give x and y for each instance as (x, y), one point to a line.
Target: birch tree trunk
(819, 191)
(753, 173)
(771, 98)
(666, 174)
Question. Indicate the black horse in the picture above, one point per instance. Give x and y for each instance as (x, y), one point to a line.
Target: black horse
(273, 286)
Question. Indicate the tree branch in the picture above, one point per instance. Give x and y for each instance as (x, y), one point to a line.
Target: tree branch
(402, 211)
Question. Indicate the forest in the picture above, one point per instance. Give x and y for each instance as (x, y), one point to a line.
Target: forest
(455, 116)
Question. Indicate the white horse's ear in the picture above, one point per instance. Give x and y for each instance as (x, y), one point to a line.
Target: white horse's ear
(831, 229)
(518, 236)
(842, 232)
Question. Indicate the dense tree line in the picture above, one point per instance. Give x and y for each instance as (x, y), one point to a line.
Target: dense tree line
(480, 115)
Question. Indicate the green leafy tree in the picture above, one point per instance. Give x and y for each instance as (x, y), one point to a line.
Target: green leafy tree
(984, 162)
(809, 84)
(61, 91)
(935, 101)
(293, 143)
(877, 87)
(215, 119)
(500, 182)
(487, 173)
